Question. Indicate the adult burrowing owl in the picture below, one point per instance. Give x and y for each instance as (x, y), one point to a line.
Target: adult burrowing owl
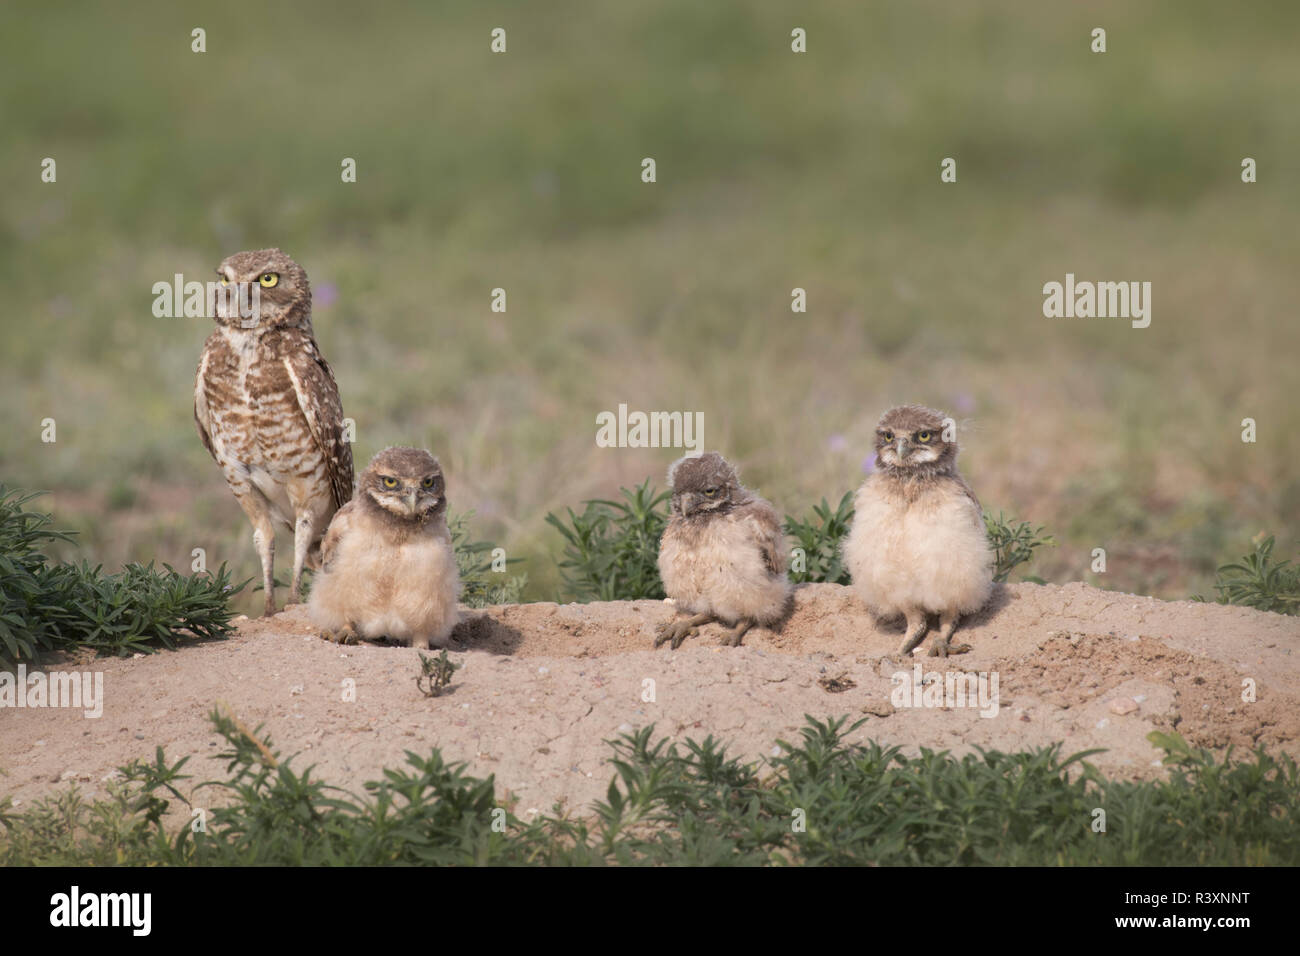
(389, 568)
(918, 546)
(722, 556)
(268, 411)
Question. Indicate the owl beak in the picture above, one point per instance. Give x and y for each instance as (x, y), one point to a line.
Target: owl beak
(902, 448)
(410, 502)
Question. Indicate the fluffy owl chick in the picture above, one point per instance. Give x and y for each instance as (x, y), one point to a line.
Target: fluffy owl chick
(389, 570)
(722, 556)
(268, 410)
(918, 546)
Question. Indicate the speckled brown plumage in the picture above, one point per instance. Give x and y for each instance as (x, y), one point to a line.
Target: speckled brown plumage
(268, 411)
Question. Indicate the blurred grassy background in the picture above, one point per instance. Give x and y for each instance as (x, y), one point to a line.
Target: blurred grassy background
(775, 170)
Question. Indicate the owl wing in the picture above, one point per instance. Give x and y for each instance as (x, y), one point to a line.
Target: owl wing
(765, 527)
(978, 511)
(318, 397)
(201, 402)
(339, 526)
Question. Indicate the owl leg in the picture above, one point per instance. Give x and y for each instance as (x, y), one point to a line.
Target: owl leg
(732, 638)
(304, 531)
(314, 559)
(264, 541)
(918, 622)
(678, 630)
(941, 647)
(261, 517)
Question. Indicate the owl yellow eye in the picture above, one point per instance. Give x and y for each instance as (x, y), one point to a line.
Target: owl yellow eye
(390, 482)
(428, 482)
(923, 436)
(888, 436)
(269, 280)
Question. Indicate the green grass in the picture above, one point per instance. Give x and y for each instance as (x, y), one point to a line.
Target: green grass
(435, 674)
(776, 170)
(1258, 580)
(46, 606)
(821, 801)
(820, 536)
(483, 578)
(1014, 543)
(611, 549)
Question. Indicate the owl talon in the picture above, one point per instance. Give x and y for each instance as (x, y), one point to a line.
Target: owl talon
(679, 630)
(944, 649)
(344, 635)
(676, 631)
(682, 635)
(732, 637)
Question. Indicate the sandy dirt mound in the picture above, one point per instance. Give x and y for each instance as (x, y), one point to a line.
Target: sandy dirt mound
(543, 685)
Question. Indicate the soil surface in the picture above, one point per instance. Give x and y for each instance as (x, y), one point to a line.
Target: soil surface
(543, 686)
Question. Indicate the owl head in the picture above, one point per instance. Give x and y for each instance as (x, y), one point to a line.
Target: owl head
(704, 485)
(284, 294)
(405, 483)
(910, 439)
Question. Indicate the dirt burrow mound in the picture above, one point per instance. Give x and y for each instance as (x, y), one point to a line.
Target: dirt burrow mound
(542, 686)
